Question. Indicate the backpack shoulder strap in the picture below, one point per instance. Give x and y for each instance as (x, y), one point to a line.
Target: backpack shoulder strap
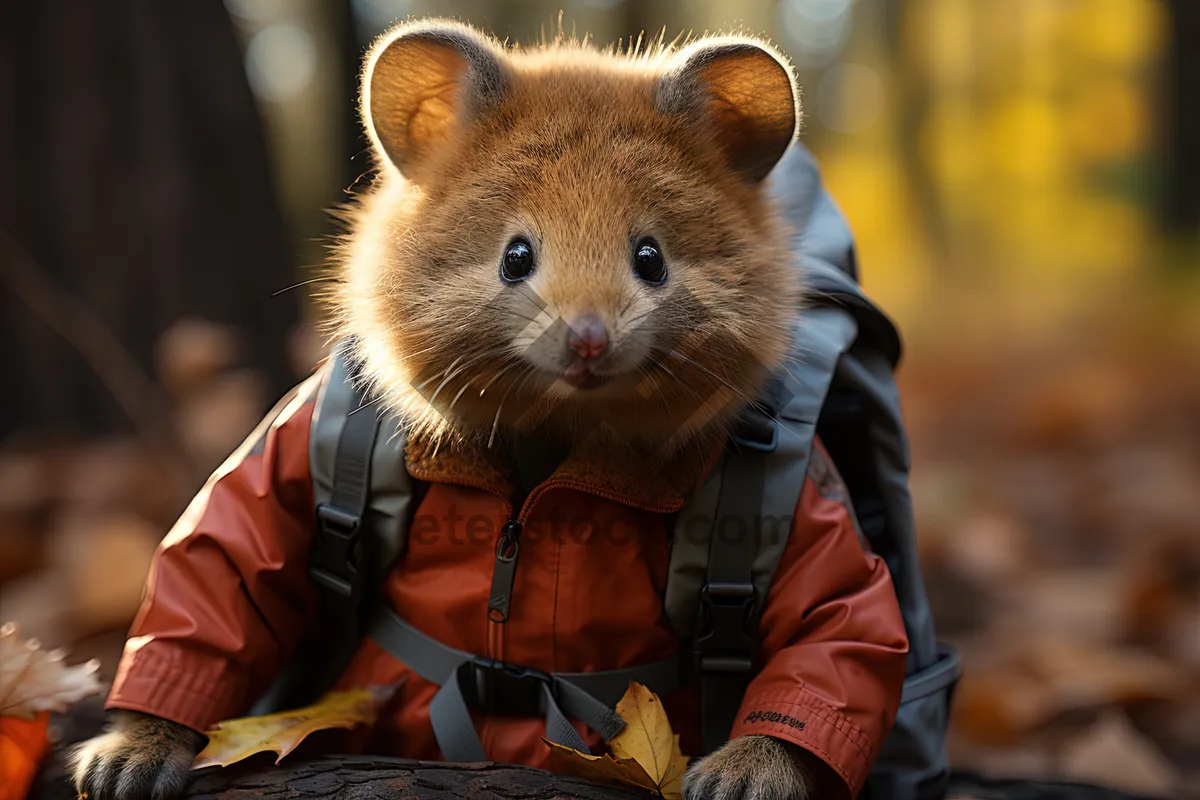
(361, 495)
(355, 448)
(336, 562)
(718, 579)
(731, 536)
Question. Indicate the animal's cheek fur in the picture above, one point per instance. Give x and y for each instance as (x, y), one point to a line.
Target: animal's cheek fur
(632, 347)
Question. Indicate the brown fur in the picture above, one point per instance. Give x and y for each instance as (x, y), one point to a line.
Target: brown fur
(582, 151)
(138, 756)
(752, 768)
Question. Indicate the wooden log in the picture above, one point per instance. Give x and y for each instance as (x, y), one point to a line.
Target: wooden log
(341, 777)
(372, 778)
(378, 777)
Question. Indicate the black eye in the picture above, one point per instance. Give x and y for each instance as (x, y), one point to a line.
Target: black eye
(517, 264)
(648, 261)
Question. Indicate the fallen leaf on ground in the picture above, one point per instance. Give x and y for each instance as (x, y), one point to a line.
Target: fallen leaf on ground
(1049, 679)
(33, 680)
(1113, 753)
(601, 769)
(645, 753)
(233, 740)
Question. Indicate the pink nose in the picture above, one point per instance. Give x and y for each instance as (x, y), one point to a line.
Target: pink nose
(589, 337)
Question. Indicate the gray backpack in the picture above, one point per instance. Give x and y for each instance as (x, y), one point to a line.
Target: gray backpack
(840, 388)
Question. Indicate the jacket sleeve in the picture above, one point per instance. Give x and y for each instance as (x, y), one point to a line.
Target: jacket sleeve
(833, 641)
(228, 591)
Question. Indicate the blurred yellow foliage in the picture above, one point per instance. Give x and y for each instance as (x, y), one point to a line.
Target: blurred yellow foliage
(1027, 152)
(1118, 32)
(1107, 121)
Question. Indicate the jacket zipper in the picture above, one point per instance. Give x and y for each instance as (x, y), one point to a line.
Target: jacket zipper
(510, 533)
(504, 572)
(508, 549)
(508, 545)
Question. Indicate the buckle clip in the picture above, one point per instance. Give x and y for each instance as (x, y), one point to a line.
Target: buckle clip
(498, 687)
(335, 560)
(728, 644)
(337, 521)
(756, 429)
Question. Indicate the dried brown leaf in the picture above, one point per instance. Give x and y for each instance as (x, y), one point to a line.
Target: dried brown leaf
(645, 753)
(622, 772)
(33, 680)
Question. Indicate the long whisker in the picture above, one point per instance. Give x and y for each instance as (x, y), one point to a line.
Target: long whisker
(449, 377)
(437, 375)
(500, 408)
(365, 405)
(725, 382)
(323, 279)
(493, 379)
(466, 386)
(636, 293)
(521, 316)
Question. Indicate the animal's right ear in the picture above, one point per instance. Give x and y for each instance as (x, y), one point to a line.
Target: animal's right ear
(423, 79)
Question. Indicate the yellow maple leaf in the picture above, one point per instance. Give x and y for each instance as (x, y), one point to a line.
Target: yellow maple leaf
(645, 753)
(647, 738)
(236, 739)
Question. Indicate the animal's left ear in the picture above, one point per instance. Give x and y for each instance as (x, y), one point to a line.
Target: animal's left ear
(745, 90)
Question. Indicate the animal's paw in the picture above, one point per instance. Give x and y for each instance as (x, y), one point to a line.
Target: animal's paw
(750, 768)
(138, 757)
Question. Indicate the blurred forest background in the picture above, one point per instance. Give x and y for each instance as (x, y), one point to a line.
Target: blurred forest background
(1023, 178)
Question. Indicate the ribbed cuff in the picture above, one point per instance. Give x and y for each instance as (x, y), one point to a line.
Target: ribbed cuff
(806, 720)
(167, 680)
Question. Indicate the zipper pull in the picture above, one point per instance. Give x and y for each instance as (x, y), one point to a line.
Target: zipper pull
(508, 547)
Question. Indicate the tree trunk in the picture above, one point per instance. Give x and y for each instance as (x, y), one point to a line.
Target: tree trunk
(1182, 171)
(135, 191)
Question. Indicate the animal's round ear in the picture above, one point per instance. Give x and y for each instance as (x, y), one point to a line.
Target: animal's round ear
(747, 93)
(420, 81)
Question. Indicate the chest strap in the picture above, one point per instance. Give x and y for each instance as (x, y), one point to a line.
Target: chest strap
(496, 687)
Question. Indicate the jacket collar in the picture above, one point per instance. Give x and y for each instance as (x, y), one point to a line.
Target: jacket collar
(636, 477)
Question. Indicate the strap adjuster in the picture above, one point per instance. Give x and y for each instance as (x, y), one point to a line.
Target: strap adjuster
(755, 429)
(337, 521)
(502, 688)
(728, 643)
(334, 563)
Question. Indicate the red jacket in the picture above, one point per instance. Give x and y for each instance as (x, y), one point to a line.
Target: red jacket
(228, 597)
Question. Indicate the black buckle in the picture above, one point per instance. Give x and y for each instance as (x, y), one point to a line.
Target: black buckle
(498, 687)
(755, 429)
(728, 644)
(335, 557)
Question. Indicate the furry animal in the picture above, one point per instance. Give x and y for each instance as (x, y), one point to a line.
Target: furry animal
(559, 240)
(645, 284)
